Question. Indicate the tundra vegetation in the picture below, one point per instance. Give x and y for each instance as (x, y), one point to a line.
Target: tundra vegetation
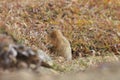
(91, 26)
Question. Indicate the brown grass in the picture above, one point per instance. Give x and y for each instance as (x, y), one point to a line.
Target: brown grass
(92, 26)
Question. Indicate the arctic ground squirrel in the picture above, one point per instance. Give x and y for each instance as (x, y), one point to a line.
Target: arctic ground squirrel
(60, 43)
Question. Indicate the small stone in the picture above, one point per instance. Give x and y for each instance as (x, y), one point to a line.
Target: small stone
(33, 66)
(45, 59)
(22, 64)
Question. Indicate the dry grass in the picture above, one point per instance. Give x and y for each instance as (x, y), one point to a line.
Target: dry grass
(92, 26)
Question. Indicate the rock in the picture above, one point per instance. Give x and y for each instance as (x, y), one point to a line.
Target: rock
(7, 56)
(45, 59)
(22, 65)
(20, 56)
(12, 50)
(12, 55)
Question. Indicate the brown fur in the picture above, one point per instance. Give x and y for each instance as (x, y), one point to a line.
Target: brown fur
(60, 43)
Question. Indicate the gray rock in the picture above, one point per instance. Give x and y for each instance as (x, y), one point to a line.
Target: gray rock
(45, 59)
